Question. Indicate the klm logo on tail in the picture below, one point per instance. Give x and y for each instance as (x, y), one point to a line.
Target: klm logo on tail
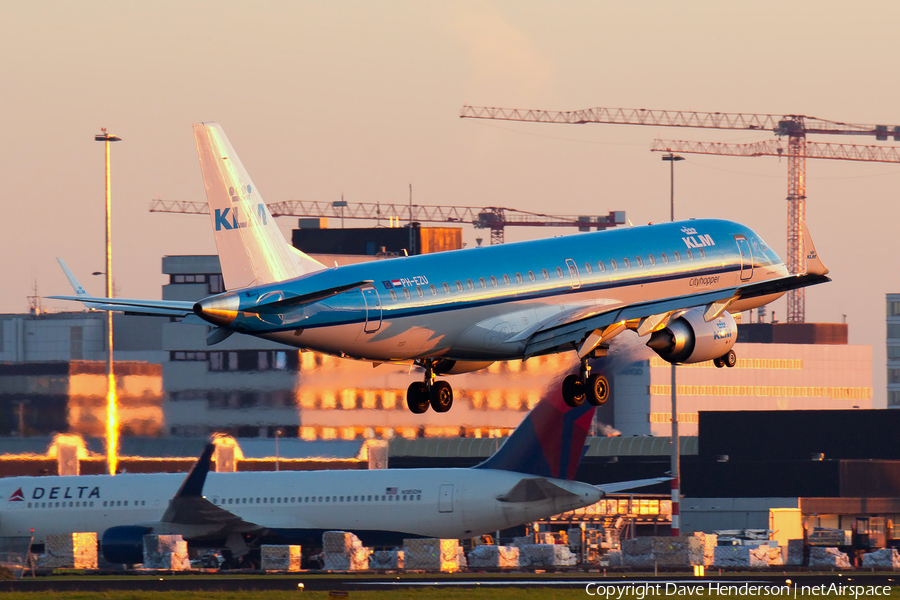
(224, 222)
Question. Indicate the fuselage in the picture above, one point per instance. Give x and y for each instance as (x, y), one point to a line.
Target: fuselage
(480, 304)
(381, 506)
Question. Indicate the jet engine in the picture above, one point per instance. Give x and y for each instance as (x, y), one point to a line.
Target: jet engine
(446, 366)
(124, 544)
(690, 339)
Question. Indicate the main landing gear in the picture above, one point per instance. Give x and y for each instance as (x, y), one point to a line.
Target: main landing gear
(727, 360)
(422, 394)
(584, 386)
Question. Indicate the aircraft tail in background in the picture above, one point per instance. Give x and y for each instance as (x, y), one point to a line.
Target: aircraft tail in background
(548, 443)
(252, 250)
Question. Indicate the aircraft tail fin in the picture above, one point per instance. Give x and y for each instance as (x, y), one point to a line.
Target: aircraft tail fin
(252, 250)
(548, 443)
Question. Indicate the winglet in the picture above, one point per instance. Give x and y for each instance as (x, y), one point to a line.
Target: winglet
(193, 483)
(814, 266)
(79, 290)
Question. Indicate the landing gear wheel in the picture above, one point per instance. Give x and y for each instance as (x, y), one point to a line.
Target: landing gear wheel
(417, 397)
(719, 362)
(573, 391)
(730, 359)
(597, 390)
(441, 396)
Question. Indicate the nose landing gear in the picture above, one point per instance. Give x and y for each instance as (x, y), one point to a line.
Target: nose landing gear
(422, 394)
(584, 386)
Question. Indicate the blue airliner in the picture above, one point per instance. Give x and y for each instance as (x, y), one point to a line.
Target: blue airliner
(454, 312)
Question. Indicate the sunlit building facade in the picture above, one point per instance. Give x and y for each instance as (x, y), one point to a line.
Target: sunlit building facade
(893, 350)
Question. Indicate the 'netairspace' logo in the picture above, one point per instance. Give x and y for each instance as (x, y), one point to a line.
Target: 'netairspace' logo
(714, 589)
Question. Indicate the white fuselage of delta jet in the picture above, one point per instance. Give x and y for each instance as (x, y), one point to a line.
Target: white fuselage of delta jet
(379, 504)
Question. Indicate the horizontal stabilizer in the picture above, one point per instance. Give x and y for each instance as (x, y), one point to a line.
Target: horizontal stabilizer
(612, 488)
(167, 308)
(164, 308)
(279, 305)
(534, 490)
(217, 334)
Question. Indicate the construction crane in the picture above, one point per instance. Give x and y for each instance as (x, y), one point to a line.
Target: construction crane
(494, 218)
(793, 127)
(796, 184)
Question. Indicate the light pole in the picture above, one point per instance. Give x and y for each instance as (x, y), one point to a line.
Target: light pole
(277, 435)
(676, 450)
(112, 425)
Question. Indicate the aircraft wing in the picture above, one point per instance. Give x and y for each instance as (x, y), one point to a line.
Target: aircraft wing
(162, 308)
(585, 328)
(552, 337)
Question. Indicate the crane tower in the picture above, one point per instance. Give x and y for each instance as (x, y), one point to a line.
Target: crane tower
(793, 127)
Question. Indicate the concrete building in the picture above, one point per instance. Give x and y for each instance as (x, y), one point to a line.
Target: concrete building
(53, 374)
(893, 350)
(786, 376)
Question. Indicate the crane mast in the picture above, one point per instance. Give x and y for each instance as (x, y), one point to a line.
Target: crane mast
(794, 127)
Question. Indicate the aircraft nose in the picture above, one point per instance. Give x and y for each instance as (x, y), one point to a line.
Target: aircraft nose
(219, 310)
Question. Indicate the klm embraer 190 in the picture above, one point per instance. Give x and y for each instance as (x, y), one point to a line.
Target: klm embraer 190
(454, 312)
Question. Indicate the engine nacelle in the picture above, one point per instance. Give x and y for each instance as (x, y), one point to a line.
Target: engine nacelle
(446, 366)
(124, 544)
(690, 339)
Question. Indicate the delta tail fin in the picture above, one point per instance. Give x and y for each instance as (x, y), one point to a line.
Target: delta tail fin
(252, 250)
(548, 443)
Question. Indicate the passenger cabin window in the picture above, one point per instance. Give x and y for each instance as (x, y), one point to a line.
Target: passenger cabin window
(587, 268)
(602, 266)
(519, 278)
(665, 258)
(493, 281)
(482, 282)
(470, 284)
(446, 288)
(689, 254)
(559, 272)
(458, 286)
(545, 273)
(531, 275)
(640, 261)
(393, 295)
(614, 264)
(702, 253)
(406, 293)
(505, 279)
(433, 290)
(420, 291)
(652, 259)
(677, 256)
(627, 263)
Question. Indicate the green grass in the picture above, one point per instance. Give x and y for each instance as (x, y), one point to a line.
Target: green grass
(412, 594)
